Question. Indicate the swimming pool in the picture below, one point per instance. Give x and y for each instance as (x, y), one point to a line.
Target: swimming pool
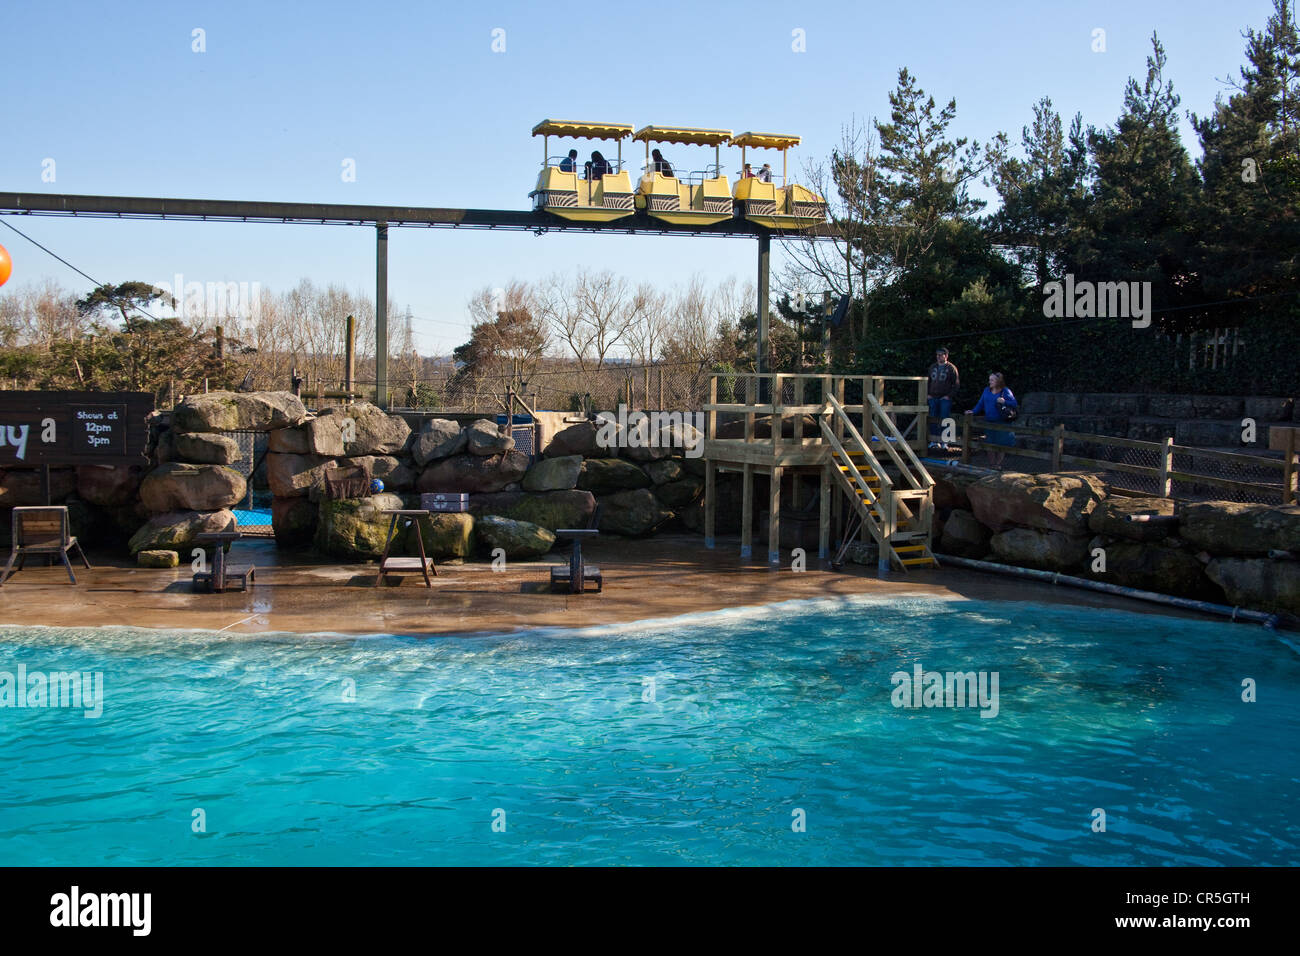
(692, 741)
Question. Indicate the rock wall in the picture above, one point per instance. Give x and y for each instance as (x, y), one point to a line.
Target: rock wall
(1218, 551)
(1207, 421)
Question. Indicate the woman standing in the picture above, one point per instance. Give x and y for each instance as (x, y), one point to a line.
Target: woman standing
(997, 405)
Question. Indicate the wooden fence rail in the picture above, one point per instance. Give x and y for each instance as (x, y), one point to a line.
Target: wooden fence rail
(1163, 473)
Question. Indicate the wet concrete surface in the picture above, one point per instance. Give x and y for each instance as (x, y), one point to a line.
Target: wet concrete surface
(660, 577)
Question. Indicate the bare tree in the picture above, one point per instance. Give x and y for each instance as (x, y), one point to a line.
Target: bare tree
(591, 314)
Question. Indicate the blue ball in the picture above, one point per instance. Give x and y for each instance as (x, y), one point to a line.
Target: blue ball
(376, 486)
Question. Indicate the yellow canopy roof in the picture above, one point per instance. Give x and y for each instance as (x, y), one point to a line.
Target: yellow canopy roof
(552, 127)
(765, 140)
(682, 135)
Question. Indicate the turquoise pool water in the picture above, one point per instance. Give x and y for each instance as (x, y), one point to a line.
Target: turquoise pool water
(755, 717)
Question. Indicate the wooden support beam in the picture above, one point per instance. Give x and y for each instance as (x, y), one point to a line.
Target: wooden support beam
(774, 518)
(710, 502)
(824, 526)
(747, 512)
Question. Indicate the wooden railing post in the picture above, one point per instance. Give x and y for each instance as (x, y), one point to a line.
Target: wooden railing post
(710, 423)
(1164, 486)
(778, 413)
(1058, 446)
(923, 417)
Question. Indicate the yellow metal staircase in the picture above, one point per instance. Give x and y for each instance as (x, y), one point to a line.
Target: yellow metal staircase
(898, 510)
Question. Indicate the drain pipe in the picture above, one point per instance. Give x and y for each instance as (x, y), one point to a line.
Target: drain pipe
(1270, 621)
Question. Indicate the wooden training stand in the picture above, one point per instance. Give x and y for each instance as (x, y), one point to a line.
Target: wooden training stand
(423, 563)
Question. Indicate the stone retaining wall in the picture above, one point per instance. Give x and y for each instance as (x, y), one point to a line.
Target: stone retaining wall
(1217, 551)
(516, 505)
(1204, 421)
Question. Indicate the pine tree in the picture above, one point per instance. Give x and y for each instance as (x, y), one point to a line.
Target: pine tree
(1140, 221)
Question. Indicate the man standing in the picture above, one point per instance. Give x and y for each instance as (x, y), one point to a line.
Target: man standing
(944, 381)
(569, 164)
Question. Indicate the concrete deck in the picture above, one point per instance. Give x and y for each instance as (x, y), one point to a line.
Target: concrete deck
(654, 578)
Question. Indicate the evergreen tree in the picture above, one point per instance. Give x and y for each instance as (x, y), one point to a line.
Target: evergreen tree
(1140, 219)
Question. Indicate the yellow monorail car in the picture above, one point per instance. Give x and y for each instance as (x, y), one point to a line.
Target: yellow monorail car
(777, 205)
(594, 190)
(698, 197)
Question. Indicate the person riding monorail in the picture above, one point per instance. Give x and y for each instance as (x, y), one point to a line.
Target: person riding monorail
(569, 163)
(765, 174)
(748, 172)
(661, 165)
(598, 166)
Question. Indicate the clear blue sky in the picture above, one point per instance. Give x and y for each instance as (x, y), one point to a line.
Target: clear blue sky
(432, 116)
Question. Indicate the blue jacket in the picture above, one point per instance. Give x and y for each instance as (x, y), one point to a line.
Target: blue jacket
(988, 404)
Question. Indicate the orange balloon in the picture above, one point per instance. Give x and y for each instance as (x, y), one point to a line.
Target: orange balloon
(6, 265)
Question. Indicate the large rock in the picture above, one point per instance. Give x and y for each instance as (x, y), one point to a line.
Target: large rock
(1034, 548)
(665, 471)
(474, 474)
(682, 438)
(1231, 528)
(1170, 406)
(437, 438)
(679, 494)
(1203, 433)
(1048, 502)
(158, 559)
(206, 448)
(641, 441)
(964, 536)
(763, 427)
(519, 539)
(1150, 567)
(231, 411)
(1258, 583)
(1268, 409)
(950, 491)
(1111, 518)
(632, 513)
(22, 486)
(577, 439)
(550, 509)
(289, 441)
(486, 438)
(176, 530)
(601, 475)
(108, 486)
(445, 535)
(554, 474)
(373, 431)
(181, 487)
(393, 472)
(355, 527)
(325, 436)
(292, 476)
(294, 521)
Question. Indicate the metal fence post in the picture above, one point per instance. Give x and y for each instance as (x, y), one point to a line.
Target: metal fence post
(965, 439)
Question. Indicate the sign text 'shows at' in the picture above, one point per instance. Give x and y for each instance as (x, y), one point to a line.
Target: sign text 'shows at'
(73, 428)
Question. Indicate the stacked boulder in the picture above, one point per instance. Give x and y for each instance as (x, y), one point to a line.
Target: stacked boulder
(192, 488)
(514, 507)
(1220, 551)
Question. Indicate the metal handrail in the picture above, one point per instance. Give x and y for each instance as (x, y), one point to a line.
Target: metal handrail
(580, 164)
